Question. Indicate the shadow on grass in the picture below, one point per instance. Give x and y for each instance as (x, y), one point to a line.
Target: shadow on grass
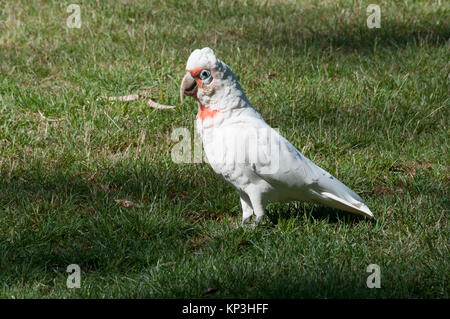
(48, 224)
(51, 219)
(350, 38)
(295, 28)
(278, 212)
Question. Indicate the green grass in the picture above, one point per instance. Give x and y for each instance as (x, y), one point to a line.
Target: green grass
(368, 105)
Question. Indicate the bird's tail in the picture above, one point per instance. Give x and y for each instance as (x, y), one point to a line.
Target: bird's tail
(333, 193)
(355, 206)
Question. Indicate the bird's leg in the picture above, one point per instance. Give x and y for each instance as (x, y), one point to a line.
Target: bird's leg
(258, 208)
(247, 210)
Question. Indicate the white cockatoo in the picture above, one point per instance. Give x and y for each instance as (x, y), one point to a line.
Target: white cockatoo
(241, 147)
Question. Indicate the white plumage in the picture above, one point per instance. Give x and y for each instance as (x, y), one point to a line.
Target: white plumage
(241, 147)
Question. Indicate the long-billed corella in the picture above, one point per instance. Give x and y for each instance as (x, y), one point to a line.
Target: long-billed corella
(241, 147)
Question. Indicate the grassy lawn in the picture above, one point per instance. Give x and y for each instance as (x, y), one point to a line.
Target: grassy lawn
(371, 106)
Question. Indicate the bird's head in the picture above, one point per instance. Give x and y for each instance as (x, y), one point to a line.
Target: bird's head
(211, 82)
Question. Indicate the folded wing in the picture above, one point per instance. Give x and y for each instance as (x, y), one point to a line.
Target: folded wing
(298, 178)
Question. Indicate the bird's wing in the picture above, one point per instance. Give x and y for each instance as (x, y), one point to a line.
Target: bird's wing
(285, 168)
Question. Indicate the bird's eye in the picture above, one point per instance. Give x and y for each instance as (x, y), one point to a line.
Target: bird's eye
(205, 76)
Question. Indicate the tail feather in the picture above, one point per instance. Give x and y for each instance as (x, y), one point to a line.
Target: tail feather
(332, 192)
(339, 203)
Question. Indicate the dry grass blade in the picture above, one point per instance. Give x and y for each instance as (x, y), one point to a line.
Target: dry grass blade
(124, 98)
(43, 117)
(134, 97)
(124, 203)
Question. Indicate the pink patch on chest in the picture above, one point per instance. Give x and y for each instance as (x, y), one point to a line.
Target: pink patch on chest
(205, 112)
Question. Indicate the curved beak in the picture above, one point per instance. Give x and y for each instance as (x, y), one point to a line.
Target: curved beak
(188, 86)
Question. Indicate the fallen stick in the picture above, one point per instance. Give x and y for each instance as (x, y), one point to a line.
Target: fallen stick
(134, 97)
(156, 105)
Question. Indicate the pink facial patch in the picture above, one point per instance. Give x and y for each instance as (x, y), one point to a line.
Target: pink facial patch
(196, 75)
